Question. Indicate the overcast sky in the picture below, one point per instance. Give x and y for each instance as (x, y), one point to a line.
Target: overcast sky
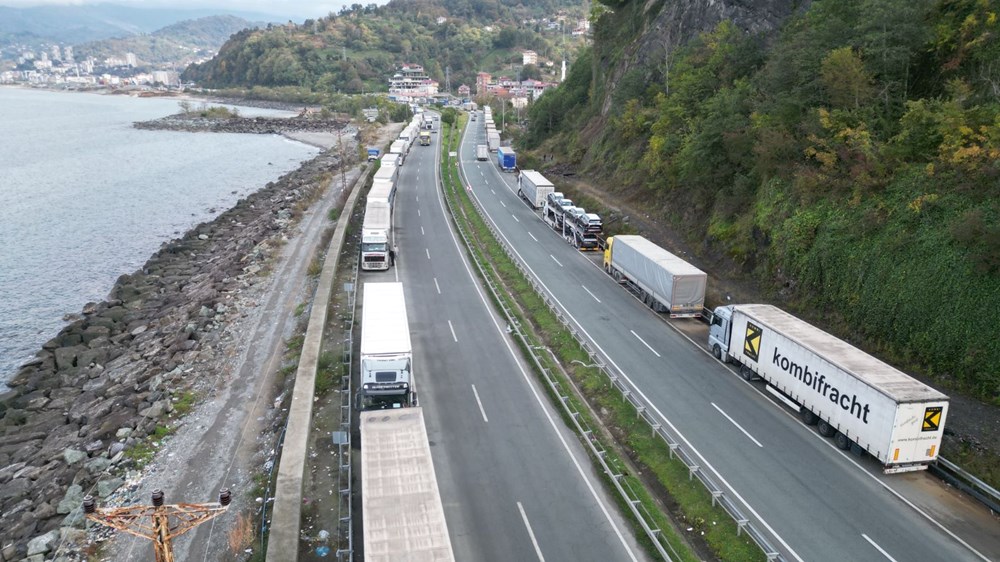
(297, 10)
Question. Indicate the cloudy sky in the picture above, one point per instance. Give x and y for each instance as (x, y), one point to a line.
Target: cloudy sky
(293, 9)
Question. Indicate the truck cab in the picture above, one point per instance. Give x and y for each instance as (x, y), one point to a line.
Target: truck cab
(373, 153)
(385, 383)
(719, 332)
(374, 249)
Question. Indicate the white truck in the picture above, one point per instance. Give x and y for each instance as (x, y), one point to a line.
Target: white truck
(663, 281)
(400, 149)
(376, 236)
(852, 396)
(384, 191)
(386, 353)
(482, 153)
(387, 172)
(534, 188)
(493, 140)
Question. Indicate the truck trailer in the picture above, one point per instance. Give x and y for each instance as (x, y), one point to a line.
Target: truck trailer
(506, 159)
(533, 188)
(582, 229)
(493, 140)
(853, 397)
(386, 353)
(384, 191)
(482, 152)
(399, 148)
(386, 172)
(376, 236)
(663, 281)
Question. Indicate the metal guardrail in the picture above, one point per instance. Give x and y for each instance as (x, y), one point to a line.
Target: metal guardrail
(954, 475)
(344, 476)
(761, 537)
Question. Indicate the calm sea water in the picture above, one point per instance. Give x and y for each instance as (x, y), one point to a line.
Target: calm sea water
(84, 198)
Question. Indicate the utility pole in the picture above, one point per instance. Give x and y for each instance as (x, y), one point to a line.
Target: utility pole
(343, 161)
(447, 79)
(131, 519)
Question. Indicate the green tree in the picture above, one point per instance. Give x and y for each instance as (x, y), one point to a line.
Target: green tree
(848, 84)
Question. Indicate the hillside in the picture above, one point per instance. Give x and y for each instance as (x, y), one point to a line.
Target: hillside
(359, 49)
(845, 159)
(181, 42)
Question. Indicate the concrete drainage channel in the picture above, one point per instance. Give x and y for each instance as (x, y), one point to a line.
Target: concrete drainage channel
(286, 517)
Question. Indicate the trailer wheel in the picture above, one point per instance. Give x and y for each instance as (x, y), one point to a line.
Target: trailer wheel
(825, 429)
(717, 352)
(807, 416)
(842, 441)
(617, 274)
(746, 373)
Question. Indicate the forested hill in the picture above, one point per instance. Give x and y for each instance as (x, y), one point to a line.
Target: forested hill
(360, 48)
(847, 159)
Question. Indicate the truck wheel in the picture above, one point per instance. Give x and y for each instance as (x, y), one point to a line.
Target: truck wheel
(746, 373)
(842, 441)
(807, 416)
(825, 429)
(617, 275)
(717, 352)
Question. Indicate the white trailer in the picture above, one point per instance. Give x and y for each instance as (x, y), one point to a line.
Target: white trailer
(376, 236)
(663, 281)
(387, 172)
(852, 396)
(399, 148)
(482, 152)
(384, 191)
(493, 141)
(386, 353)
(534, 188)
(402, 514)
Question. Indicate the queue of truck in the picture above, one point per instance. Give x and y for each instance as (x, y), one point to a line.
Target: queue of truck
(861, 402)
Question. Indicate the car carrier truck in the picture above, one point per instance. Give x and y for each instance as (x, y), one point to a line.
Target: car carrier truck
(663, 281)
(853, 397)
(386, 353)
(533, 188)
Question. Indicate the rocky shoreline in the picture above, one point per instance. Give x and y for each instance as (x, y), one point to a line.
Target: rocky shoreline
(194, 123)
(111, 378)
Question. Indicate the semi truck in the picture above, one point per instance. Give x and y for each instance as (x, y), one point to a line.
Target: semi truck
(390, 159)
(384, 191)
(376, 236)
(853, 397)
(493, 140)
(399, 148)
(555, 210)
(425, 138)
(534, 188)
(386, 353)
(402, 514)
(506, 158)
(663, 281)
(482, 152)
(386, 172)
(582, 229)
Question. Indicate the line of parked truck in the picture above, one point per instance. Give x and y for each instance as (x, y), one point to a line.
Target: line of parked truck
(861, 402)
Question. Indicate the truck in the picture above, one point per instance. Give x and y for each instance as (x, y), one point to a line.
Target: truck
(533, 188)
(661, 280)
(391, 159)
(401, 148)
(858, 400)
(582, 229)
(425, 138)
(376, 236)
(373, 153)
(402, 513)
(383, 190)
(493, 140)
(387, 172)
(482, 152)
(386, 354)
(428, 123)
(506, 159)
(555, 210)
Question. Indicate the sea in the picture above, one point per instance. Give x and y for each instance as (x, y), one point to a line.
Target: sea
(85, 197)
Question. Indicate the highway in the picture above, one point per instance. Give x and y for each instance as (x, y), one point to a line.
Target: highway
(515, 483)
(820, 503)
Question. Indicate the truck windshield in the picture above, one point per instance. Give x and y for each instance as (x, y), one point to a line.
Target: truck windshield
(373, 246)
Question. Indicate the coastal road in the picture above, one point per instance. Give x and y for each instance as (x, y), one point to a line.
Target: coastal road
(822, 504)
(515, 483)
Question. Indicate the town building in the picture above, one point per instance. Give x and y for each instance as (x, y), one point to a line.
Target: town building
(412, 81)
(529, 57)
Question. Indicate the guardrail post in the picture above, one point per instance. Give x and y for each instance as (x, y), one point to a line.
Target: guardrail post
(673, 447)
(740, 525)
(656, 427)
(692, 470)
(716, 494)
(639, 410)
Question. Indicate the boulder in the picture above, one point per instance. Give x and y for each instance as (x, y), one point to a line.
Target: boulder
(97, 465)
(72, 500)
(15, 489)
(107, 487)
(76, 518)
(73, 456)
(43, 544)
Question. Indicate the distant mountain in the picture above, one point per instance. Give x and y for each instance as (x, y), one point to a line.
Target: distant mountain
(181, 43)
(80, 24)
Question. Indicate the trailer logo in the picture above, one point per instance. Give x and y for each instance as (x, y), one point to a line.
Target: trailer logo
(932, 419)
(751, 345)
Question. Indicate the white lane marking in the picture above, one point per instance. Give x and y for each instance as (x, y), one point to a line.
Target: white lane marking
(504, 204)
(493, 192)
(515, 218)
(543, 403)
(555, 260)
(418, 197)
(428, 252)
(418, 212)
(480, 402)
(588, 290)
(644, 343)
(533, 237)
(421, 231)
(878, 548)
(452, 328)
(531, 533)
(436, 286)
(738, 426)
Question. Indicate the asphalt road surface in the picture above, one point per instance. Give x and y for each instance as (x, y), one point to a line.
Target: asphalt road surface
(515, 483)
(820, 503)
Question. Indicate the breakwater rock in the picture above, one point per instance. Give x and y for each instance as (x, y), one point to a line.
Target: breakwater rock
(95, 393)
(193, 122)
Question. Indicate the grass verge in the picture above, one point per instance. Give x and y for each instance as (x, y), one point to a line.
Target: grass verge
(543, 330)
